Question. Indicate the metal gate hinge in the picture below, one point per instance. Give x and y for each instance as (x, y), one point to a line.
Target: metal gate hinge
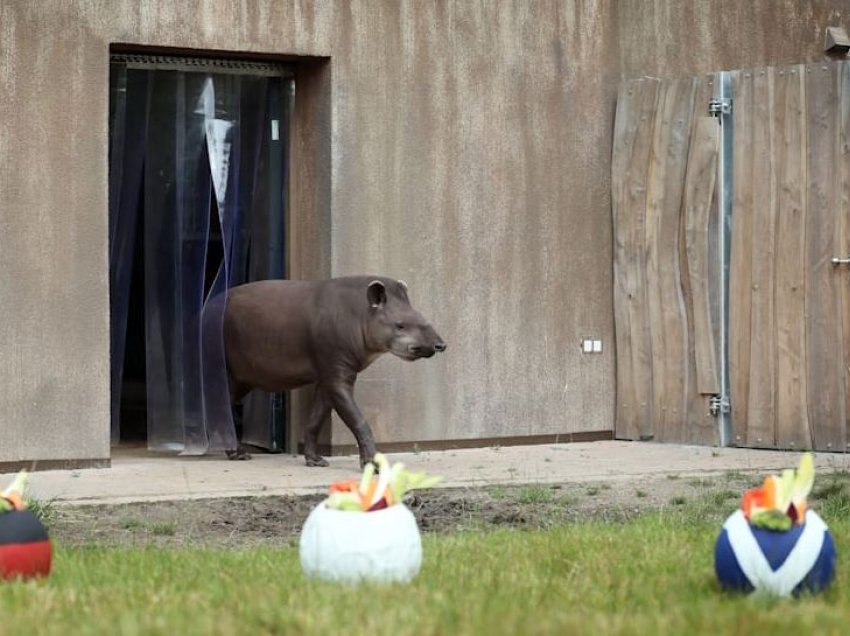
(718, 404)
(718, 106)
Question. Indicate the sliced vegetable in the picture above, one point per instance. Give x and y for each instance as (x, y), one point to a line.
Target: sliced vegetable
(381, 485)
(12, 498)
(781, 501)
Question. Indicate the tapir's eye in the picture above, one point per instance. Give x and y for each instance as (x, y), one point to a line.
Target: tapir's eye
(399, 326)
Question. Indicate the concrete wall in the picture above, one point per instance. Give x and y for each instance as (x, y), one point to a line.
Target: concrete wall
(465, 145)
(461, 145)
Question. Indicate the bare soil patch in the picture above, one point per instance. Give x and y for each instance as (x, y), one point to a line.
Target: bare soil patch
(277, 521)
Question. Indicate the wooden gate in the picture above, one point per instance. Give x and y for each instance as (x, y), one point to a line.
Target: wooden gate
(788, 327)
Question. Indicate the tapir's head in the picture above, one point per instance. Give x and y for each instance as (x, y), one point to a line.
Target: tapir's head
(397, 327)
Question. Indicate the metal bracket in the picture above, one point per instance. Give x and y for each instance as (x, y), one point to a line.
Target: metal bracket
(719, 404)
(718, 106)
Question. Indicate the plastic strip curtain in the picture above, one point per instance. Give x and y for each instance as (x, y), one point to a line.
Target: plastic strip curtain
(248, 188)
(263, 413)
(177, 213)
(235, 112)
(128, 123)
(222, 138)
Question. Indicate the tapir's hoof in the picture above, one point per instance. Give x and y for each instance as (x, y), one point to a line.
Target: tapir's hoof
(239, 454)
(316, 461)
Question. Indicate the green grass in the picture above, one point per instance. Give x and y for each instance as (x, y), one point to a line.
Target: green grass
(535, 494)
(700, 482)
(163, 529)
(722, 496)
(44, 508)
(653, 575)
(131, 523)
(499, 492)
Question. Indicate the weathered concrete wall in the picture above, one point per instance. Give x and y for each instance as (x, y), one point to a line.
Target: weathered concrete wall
(473, 187)
(54, 335)
(468, 153)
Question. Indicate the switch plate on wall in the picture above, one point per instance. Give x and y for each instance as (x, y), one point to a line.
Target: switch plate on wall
(591, 345)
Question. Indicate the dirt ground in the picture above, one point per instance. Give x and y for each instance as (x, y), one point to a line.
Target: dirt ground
(277, 521)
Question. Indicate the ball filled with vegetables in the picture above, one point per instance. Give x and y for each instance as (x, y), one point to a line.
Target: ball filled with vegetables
(25, 549)
(775, 544)
(363, 531)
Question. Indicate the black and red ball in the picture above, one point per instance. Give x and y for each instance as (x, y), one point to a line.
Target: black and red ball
(25, 550)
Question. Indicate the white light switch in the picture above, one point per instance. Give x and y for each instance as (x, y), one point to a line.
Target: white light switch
(591, 345)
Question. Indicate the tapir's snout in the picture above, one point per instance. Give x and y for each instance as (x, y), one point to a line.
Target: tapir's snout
(426, 351)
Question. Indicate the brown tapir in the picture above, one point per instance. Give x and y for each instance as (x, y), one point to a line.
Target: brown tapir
(282, 334)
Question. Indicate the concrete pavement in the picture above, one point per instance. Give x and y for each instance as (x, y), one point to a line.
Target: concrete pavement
(137, 475)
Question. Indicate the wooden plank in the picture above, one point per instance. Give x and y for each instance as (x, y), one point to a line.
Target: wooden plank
(698, 200)
(761, 416)
(740, 274)
(632, 142)
(668, 329)
(824, 334)
(789, 117)
(700, 271)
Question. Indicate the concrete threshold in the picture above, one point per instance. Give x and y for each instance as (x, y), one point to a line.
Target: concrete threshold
(137, 475)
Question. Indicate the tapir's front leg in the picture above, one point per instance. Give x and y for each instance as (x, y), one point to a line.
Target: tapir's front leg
(342, 399)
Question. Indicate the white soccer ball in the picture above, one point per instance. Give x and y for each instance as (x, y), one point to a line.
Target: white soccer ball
(345, 546)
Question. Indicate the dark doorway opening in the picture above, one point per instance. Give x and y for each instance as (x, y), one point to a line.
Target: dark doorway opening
(133, 405)
(198, 183)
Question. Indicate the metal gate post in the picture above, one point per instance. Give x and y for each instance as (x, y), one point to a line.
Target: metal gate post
(721, 107)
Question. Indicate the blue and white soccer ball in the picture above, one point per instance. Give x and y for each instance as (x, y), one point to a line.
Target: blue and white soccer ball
(748, 559)
(344, 546)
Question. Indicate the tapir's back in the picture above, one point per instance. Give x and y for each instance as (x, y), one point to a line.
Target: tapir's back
(267, 334)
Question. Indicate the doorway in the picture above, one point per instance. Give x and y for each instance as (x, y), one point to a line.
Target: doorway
(198, 188)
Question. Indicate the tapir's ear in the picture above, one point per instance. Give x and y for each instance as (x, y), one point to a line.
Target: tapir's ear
(377, 294)
(403, 287)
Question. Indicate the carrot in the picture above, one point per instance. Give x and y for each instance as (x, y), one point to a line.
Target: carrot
(770, 492)
(366, 497)
(16, 500)
(349, 485)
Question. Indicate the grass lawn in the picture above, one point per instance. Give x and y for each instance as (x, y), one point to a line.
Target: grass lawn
(652, 575)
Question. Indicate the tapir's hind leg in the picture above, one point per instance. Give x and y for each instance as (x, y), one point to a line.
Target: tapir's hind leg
(319, 411)
(237, 392)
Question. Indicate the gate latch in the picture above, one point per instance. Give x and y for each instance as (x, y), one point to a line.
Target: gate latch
(836, 260)
(718, 106)
(718, 404)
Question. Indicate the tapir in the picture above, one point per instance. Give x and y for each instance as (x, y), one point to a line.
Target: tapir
(284, 334)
